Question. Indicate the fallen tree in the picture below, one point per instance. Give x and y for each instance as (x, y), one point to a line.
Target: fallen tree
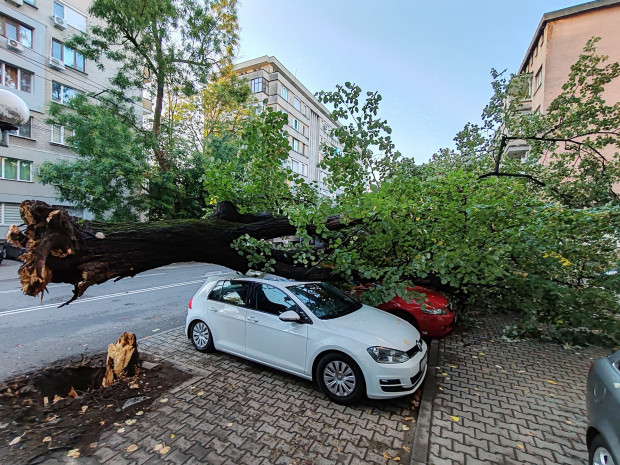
(63, 249)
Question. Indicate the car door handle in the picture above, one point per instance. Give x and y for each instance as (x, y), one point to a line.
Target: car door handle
(251, 319)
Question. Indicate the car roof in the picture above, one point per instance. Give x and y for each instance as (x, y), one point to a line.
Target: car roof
(265, 278)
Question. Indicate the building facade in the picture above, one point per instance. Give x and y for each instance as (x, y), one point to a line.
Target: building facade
(556, 45)
(309, 122)
(37, 66)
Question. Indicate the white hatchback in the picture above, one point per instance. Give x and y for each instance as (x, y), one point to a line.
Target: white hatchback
(312, 330)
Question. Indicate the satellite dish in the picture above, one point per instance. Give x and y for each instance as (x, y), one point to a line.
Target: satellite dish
(13, 113)
(13, 110)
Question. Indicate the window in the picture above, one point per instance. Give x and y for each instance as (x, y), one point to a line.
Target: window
(297, 103)
(9, 213)
(295, 145)
(258, 85)
(305, 130)
(284, 93)
(16, 31)
(25, 130)
(67, 55)
(30, 2)
(539, 78)
(299, 167)
(325, 301)
(60, 134)
(272, 300)
(296, 124)
(231, 292)
(72, 17)
(62, 93)
(17, 170)
(16, 78)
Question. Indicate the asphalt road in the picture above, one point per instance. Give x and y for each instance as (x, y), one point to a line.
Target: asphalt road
(33, 335)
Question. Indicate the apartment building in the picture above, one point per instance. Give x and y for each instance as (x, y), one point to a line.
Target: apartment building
(36, 65)
(557, 43)
(309, 123)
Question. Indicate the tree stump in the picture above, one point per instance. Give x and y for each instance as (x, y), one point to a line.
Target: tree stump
(122, 359)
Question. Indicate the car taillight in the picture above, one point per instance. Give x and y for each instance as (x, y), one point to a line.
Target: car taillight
(190, 303)
(591, 366)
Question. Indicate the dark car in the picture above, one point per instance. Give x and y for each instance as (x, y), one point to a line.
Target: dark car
(603, 402)
(10, 251)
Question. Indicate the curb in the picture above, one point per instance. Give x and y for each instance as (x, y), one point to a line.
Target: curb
(422, 436)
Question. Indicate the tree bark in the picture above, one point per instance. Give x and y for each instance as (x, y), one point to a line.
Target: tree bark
(63, 249)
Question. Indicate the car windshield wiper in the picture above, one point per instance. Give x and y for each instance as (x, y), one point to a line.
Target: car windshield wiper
(345, 311)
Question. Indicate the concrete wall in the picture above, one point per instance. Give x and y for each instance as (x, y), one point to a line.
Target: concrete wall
(561, 42)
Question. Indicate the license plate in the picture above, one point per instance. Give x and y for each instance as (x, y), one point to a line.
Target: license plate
(423, 362)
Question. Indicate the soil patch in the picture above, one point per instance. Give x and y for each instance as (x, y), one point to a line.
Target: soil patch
(65, 407)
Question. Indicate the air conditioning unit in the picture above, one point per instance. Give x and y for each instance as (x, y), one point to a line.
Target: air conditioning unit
(16, 2)
(56, 64)
(59, 22)
(14, 45)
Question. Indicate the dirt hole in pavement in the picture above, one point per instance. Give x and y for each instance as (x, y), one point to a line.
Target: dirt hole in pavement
(64, 407)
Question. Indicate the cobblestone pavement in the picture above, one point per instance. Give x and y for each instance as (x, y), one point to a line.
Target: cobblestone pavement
(500, 402)
(237, 412)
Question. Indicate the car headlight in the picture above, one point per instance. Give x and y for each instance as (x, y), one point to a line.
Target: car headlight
(385, 355)
(434, 311)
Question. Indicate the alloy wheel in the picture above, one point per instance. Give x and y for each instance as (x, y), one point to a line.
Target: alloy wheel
(200, 335)
(602, 457)
(339, 378)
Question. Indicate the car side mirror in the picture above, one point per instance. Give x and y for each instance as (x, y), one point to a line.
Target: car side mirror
(291, 316)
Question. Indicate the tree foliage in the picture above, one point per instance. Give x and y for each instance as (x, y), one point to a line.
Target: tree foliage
(161, 46)
(492, 231)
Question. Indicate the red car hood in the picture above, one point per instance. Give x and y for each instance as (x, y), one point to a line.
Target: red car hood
(433, 298)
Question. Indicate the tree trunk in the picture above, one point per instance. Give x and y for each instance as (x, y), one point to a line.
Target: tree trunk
(63, 249)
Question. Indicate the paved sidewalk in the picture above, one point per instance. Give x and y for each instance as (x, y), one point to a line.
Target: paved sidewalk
(488, 401)
(238, 412)
(500, 402)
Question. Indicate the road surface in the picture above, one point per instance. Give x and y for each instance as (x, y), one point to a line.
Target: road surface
(33, 335)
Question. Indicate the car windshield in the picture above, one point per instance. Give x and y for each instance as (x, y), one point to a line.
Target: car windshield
(325, 301)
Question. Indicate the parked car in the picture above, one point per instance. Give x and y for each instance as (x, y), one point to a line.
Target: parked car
(436, 319)
(603, 403)
(312, 330)
(10, 251)
(2, 252)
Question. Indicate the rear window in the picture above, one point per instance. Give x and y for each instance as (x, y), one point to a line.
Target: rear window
(231, 292)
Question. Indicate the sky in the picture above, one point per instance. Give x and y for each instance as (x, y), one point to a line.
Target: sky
(430, 61)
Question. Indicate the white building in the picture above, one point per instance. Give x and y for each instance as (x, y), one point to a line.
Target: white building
(309, 120)
(37, 66)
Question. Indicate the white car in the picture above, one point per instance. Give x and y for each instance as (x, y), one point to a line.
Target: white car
(312, 330)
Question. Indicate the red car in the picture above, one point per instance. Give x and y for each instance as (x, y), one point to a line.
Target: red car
(437, 318)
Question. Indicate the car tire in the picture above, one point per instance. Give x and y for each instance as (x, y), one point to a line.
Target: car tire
(201, 336)
(600, 452)
(339, 377)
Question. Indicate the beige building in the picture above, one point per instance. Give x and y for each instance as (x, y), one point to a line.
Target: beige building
(37, 66)
(309, 122)
(557, 43)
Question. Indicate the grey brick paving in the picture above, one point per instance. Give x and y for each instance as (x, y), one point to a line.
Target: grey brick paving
(512, 402)
(237, 412)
